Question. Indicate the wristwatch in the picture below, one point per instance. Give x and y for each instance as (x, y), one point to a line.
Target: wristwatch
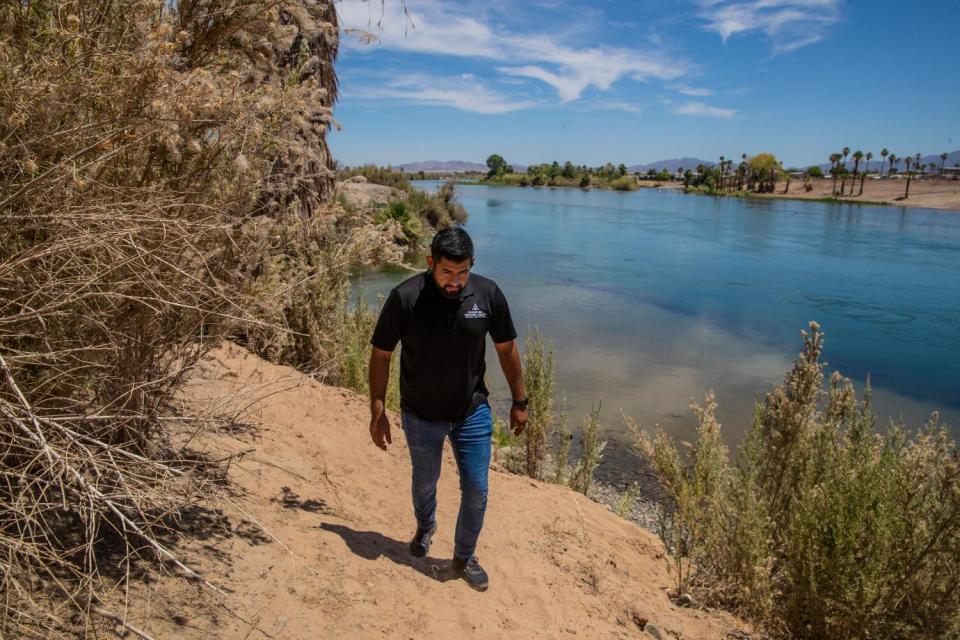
(521, 404)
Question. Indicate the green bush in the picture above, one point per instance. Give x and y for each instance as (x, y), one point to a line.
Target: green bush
(354, 369)
(408, 220)
(592, 445)
(624, 183)
(377, 175)
(538, 365)
(822, 527)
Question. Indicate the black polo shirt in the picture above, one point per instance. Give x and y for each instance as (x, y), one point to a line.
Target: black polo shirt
(444, 342)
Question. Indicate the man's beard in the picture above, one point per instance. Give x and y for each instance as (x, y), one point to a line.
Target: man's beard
(450, 296)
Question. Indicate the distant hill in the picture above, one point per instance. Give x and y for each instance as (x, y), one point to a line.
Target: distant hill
(441, 166)
(952, 158)
(670, 165)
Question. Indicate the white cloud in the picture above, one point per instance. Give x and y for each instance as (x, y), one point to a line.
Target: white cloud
(463, 92)
(789, 24)
(702, 110)
(698, 92)
(436, 28)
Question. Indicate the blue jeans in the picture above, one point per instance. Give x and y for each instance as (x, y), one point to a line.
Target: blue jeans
(471, 447)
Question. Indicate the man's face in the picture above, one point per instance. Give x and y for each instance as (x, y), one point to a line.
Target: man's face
(450, 276)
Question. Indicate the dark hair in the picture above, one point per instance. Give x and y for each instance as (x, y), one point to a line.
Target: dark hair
(452, 243)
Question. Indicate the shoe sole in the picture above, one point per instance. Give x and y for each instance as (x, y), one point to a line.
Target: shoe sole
(477, 587)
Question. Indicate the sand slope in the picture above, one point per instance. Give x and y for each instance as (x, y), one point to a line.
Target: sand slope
(338, 513)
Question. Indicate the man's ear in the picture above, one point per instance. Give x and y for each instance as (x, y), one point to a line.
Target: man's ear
(430, 263)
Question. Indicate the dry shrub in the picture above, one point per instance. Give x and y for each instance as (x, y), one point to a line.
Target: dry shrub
(822, 527)
(538, 378)
(136, 139)
(300, 270)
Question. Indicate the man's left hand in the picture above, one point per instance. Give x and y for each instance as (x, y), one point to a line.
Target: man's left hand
(518, 420)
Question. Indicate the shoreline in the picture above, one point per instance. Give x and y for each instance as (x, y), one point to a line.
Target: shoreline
(938, 194)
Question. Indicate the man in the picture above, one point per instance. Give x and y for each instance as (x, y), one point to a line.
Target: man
(441, 318)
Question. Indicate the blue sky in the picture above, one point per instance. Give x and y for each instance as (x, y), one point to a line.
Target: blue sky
(635, 82)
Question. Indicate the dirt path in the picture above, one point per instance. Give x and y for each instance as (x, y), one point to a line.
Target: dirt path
(335, 565)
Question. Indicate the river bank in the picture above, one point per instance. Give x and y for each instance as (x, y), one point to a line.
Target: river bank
(925, 193)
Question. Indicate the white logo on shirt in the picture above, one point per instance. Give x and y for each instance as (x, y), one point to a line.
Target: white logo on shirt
(476, 313)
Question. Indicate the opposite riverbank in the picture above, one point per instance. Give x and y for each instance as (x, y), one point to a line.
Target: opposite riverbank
(924, 193)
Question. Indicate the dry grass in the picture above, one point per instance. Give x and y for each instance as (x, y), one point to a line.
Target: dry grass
(140, 145)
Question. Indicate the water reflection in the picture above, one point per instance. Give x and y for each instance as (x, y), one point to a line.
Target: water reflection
(653, 298)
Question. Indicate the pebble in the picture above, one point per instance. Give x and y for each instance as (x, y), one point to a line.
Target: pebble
(653, 631)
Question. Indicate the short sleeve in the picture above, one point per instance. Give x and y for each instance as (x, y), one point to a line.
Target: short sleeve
(501, 324)
(387, 333)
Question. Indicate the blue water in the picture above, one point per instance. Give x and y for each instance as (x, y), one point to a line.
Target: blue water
(655, 297)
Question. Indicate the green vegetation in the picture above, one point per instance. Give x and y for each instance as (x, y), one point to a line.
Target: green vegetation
(354, 363)
(408, 221)
(377, 175)
(592, 445)
(415, 214)
(542, 451)
(554, 174)
(821, 527)
(538, 365)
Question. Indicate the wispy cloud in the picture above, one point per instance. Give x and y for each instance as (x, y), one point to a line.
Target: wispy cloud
(789, 24)
(698, 92)
(439, 29)
(702, 110)
(463, 92)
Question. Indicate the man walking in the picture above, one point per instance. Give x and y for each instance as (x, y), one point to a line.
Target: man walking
(441, 317)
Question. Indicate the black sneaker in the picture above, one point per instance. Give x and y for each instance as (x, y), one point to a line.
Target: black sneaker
(472, 572)
(421, 541)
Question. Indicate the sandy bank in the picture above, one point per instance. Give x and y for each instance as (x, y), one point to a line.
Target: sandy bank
(932, 194)
(334, 563)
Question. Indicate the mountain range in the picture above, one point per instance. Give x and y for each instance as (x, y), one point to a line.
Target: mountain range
(461, 166)
(671, 165)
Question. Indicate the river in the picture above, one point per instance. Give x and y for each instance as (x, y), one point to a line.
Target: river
(654, 297)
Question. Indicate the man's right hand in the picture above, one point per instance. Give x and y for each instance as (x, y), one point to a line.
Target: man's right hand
(380, 427)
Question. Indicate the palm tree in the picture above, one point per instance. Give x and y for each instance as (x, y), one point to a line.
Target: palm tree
(943, 158)
(884, 153)
(869, 158)
(857, 156)
(835, 170)
(722, 164)
(893, 162)
(846, 151)
(907, 160)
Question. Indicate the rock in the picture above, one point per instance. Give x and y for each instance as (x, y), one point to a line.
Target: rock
(653, 631)
(360, 179)
(685, 600)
